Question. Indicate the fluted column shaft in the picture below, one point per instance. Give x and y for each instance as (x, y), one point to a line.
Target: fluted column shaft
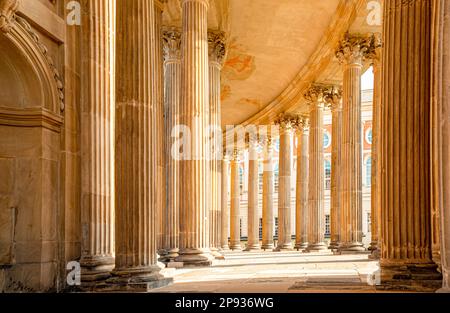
(284, 186)
(301, 217)
(351, 218)
(268, 192)
(136, 158)
(235, 217)
(194, 212)
(225, 210)
(216, 54)
(336, 175)
(159, 140)
(172, 90)
(376, 153)
(405, 137)
(97, 140)
(316, 214)
(253, 191)
(443, 14)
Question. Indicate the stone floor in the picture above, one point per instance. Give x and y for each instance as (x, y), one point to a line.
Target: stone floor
(272, 272)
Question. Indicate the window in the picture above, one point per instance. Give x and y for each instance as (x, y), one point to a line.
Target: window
(327, 226)
(327, 175)
(260, 175)
(277, 145)
(276, 227)
(369, 172)
(369, 136)
(240, 227)
(275, 176)
(326, 140)
(369, 222)
(260, 228)
(241, 180)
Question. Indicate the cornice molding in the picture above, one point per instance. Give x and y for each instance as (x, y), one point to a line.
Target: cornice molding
(30, 117)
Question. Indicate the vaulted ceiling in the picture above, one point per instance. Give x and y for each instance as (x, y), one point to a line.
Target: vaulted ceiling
(276, 49)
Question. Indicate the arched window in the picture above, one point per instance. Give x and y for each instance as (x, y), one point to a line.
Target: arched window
(369, 136)
(326, 140)
(369, 171)
(241, 179)
(327, 175)
(275, 176)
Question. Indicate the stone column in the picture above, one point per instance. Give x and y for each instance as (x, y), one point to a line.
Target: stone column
(376, 151)
(235, 217)
(301, 217)
(287, 125)
(351, 55)
(136, 158)
(97, 141)
(172, 89)
(268, 191)
(335, 104)
(225, 207)
(194, 213)
(253, 192)
(160, 140)
(442, 80)
(406, 260)
(216, 42)
(316, 214)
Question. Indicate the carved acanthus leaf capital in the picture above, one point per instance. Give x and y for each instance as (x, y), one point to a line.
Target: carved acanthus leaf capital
(323, 95)
(172, 44)
(304, 123)
(217, 46)
(356, 48)
(288, 122)
(8, 9)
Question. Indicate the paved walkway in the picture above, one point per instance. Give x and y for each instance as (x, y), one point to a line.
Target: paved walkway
(272, 272)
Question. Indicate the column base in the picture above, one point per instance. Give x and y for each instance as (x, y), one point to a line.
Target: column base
(195, 257)
(352, 248)
(253, 247)
(170, 256)
(225, 248)
(373, 246)
(300, 246)
(445, 282)
(334, 245)
(267, 246)
(422, 277)
(140, 279)
(236, 246)
(283, 247)
(216, 254)
(95, 269)
(316, 247)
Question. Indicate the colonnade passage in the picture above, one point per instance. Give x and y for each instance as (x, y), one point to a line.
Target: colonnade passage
(140, 147)
(186, 211)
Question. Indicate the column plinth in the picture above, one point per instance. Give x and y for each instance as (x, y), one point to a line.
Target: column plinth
(287, 127)
(137, 158)
(268, 191)
(301, 217)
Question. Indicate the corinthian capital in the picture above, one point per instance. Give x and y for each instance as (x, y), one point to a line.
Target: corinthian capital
(172, 44)
(355, 48)
(8, 9)
(216, 41)
(287, 122)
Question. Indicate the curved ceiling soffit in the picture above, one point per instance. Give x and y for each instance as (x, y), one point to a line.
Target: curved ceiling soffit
(318, 62)
(25, 39)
